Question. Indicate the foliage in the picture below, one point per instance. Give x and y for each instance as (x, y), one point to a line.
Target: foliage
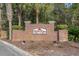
(74, 33)
(70, 37)
(16, 27)
(5, 25)
(62, 26)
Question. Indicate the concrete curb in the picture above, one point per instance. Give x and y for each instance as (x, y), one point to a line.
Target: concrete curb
(24, 53)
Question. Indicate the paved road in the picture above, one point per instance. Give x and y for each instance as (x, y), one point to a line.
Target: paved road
(8, 51)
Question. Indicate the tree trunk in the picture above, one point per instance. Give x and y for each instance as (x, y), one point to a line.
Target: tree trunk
(19, 15)
(10, 30)
(37, 13)
(9, 16)
(19, 18)
(0, 19)
(37, 21)
(72, 21)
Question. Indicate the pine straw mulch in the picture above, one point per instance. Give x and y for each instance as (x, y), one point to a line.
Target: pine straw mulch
(48, 48)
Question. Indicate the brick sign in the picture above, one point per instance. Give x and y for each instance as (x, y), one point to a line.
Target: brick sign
(39, 31)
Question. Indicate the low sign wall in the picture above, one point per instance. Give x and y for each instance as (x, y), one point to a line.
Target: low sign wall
(39, 32)
(35, 32)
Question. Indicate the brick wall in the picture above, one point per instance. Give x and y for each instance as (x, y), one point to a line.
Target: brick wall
(3, 35)
(27, 34)
(55, 35)
(19, 35)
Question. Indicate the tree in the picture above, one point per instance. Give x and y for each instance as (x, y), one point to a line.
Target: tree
(0, 18)
(59, 14)
(44, 12)
(75, 13)
(19, 12)
(9, 16)
(37, 13)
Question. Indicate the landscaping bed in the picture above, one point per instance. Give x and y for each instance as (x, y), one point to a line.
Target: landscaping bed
(44, 48)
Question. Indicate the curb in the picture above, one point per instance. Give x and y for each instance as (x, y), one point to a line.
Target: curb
(24, 53)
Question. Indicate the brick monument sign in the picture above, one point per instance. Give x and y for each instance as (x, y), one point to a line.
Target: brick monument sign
(39, 32)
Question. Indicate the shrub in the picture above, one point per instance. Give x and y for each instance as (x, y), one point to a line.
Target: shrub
(16, 27)
(74, 31)
(70, 37)
(62, 26)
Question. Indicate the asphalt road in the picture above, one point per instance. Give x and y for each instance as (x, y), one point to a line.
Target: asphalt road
(8, 51)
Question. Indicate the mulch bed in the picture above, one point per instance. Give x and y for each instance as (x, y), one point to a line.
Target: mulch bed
(47, 48)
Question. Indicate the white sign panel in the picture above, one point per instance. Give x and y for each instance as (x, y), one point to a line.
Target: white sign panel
(39, 31)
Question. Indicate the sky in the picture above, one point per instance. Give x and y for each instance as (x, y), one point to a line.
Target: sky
(67, 5)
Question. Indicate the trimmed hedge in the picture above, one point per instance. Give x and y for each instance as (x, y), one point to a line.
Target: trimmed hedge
(62, 26)
(16, 27)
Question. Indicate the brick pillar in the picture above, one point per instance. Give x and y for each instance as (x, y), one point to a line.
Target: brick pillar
(26, 24)
(52, 22)
(63, 35)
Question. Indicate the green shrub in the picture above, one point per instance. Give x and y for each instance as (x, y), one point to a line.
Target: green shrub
(74, 31)
(70, 37)
(16, 27)
(62, 26)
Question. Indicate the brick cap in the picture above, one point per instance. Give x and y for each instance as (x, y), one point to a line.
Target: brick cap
(51, 22)
(27, 22)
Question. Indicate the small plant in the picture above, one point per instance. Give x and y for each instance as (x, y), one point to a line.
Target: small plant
(62, 26)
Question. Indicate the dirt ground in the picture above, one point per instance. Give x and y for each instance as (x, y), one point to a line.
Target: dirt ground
(43, 48)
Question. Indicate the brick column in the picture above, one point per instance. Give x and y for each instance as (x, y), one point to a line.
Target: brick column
(52, 22)
(26, 24)
(63, 35)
